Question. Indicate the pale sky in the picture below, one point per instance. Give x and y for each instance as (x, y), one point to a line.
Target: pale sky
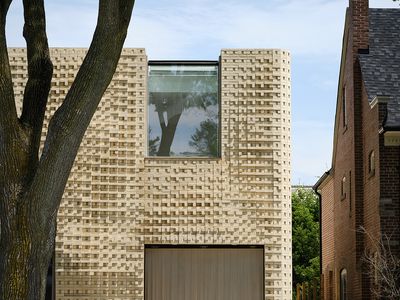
(197, 29)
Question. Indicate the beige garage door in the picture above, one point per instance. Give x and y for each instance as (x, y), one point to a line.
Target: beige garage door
(204, 273)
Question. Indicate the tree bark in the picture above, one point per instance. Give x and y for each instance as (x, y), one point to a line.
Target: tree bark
(40, 71)
(29, 201)
(173, 109)
(167, 135)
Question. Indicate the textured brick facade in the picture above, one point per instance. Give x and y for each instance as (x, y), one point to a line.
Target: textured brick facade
(118, 200)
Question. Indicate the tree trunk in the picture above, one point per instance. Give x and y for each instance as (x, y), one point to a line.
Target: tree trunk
(26, 249)
(14, 263)
(31, 188)
(24, 271)
(167, 135)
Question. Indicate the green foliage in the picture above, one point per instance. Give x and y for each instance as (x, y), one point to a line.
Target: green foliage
(305, 216)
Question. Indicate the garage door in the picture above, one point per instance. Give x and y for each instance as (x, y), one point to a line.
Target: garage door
(204, 273)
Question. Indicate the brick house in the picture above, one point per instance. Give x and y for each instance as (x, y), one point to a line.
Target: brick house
(361, 190)
(203, 212)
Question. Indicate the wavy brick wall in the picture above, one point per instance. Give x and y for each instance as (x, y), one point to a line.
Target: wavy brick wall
(117, 199)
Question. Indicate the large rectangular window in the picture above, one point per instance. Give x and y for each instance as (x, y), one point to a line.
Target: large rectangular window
(183, 109)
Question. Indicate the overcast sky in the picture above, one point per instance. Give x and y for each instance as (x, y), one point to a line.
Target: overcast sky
(197, 29)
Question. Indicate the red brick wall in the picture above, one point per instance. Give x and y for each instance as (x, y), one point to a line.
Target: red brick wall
(389, 202)
(371, 195)
(359, 12)
(328, 245)
(344, 166)
(381, 189)
(349, 159)
(372, 200)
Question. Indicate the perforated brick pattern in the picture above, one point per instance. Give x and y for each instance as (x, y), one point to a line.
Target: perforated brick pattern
(117, 199)
(256, 142)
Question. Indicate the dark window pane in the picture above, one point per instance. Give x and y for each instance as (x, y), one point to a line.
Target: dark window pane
(183, 110)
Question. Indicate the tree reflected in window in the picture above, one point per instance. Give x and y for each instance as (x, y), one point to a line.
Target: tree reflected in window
(154, 143)
(205, 139)
(183, 110)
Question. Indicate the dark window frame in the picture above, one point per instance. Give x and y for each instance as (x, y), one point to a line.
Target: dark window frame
(216, 63)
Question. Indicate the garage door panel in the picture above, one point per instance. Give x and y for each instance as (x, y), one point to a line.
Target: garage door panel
(204, 273)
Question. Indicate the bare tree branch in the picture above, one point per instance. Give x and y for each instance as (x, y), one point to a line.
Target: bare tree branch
(70, 121)
(8, 113)
(383, 267)
(40, 70)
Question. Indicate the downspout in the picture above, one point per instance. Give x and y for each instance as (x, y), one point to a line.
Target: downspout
(320, 228)
(315, 188)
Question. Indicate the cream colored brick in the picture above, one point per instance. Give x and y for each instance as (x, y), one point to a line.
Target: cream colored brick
(117, 199)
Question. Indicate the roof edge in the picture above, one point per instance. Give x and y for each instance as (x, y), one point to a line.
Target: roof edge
(321, 180)
(340, 80)
(385, 129)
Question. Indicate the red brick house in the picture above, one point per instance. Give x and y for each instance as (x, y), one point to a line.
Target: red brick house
(362, 188)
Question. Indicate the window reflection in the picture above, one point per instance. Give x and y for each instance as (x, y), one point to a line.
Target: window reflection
(183, 110)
